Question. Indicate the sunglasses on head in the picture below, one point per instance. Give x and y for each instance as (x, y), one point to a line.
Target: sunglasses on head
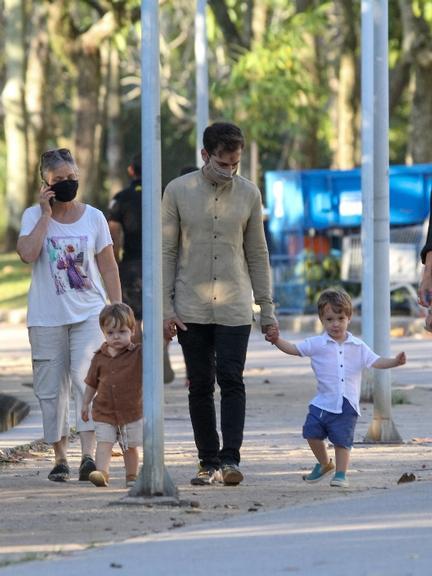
(58, 153)
(62, 152)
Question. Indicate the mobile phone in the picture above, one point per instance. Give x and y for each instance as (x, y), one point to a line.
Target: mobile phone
(51, 201)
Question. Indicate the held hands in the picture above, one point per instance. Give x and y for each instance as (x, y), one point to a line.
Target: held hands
(271, 333)
(170, 328)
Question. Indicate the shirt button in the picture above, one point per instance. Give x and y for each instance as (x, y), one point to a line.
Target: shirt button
(214, 298)
(215, 278)
(215, 257)
(341, 365)
(216, 199)
(215, 236)
(215, 217)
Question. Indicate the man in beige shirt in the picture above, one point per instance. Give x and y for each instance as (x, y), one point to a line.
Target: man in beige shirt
(214, 256)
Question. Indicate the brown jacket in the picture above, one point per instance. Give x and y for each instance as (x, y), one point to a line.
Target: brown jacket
(118, 381)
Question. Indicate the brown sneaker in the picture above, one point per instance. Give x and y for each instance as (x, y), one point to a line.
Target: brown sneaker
(99, 478)
(231, 474)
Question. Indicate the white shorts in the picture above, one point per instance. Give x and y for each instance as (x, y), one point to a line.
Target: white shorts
(61, 356)
(128, 436)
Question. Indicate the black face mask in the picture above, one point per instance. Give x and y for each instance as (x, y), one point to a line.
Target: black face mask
(65, 191)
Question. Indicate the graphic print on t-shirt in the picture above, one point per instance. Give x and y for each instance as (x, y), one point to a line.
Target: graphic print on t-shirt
(68, 260)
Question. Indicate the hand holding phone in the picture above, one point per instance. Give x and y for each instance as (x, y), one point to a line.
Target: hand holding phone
(46, 198)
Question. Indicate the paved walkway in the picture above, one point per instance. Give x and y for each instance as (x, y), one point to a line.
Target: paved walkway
(385, 534)
(382, 532)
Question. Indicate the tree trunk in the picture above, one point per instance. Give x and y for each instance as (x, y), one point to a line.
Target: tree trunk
(115, 156)
(235, 43)
(417, 43)
(421, 112)
(347, 98)
(15, 124)
(36, 96)
(87, 139)
(305, 147)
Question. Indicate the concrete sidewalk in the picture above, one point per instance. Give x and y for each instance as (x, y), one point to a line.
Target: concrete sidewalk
(303, 529)
(16, 380)
(386, 534)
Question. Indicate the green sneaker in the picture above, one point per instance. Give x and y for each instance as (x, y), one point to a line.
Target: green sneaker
(319, 472)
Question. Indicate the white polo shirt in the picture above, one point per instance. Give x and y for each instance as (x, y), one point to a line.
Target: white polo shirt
(338, 369)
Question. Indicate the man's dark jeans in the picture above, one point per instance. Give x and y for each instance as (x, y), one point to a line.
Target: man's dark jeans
(210, 351)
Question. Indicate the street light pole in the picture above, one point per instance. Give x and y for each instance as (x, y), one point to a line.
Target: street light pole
(382, 428)
(201, 76)
(367, 168)
(153, 479)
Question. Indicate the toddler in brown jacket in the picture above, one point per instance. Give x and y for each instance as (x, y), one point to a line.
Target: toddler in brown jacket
(114, 383)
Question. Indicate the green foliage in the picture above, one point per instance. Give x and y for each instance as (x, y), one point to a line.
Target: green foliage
(14, 281)
(318, 272)
(2, 187)
(273, 88)
(399, 397)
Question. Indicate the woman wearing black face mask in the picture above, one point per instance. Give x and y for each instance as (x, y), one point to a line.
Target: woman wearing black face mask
(73, 272)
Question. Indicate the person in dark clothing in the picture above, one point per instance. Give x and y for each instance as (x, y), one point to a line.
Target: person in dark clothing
(124, 220)
(425, 285)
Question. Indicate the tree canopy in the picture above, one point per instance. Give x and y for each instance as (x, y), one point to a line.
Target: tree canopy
(287, 72)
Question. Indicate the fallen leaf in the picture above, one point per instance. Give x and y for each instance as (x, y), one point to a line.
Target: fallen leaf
(406, 477)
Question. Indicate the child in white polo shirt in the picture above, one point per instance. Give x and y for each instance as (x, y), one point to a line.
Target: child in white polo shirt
(337, 359)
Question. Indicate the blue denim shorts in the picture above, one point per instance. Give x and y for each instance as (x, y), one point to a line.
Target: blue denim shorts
(338, 428)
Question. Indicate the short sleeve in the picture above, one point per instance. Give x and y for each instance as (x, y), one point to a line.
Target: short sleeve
(29, 220)
(103, 236)
(368, 355)
(92, 375)
(115, 210)
(305, 347)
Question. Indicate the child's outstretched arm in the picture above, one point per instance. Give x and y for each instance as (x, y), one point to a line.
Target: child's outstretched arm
(398, 360)
(283, 345)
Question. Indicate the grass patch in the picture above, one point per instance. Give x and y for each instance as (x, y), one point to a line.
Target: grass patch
(28, 557)
(15, 279)
(399, 397)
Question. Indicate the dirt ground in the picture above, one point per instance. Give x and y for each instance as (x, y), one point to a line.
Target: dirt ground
(39, 517)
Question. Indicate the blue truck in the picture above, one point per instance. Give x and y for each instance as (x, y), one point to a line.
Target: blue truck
(313, 220)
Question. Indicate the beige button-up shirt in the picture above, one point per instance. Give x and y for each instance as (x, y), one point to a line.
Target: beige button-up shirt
(214, 252)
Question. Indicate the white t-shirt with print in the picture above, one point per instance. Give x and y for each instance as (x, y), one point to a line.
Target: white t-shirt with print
(66, 285)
